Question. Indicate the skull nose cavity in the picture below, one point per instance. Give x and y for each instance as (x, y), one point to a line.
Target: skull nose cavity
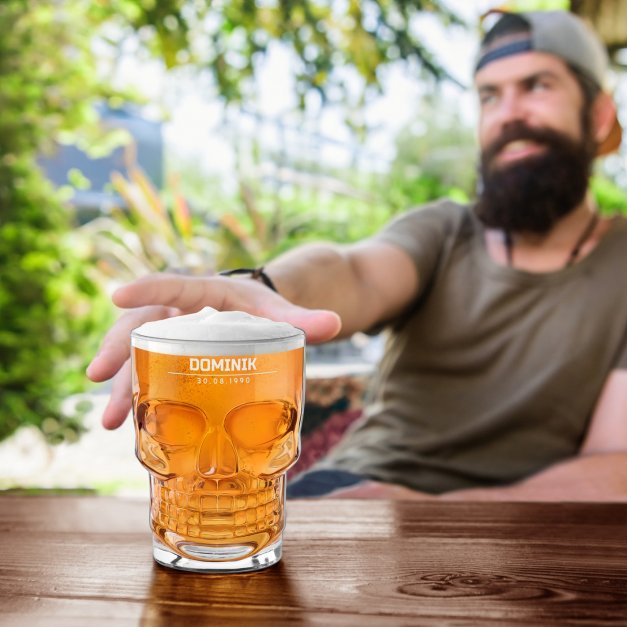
(217, 456)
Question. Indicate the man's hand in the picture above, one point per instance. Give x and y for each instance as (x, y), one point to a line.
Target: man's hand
(165, 295)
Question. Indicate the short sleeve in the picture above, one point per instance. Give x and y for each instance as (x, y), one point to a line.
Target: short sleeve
(423, 234)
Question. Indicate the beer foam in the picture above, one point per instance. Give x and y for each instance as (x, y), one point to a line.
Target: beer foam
(209, 324)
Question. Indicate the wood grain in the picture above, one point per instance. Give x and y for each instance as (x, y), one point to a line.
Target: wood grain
(87, 561)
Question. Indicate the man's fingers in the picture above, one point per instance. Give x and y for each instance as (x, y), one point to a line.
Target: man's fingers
(319, 325)
(121, 398)
(115, 347)
(190, 294)
(185, 293)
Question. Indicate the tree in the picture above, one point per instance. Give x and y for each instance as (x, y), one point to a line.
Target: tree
(51, 306)
(230, 37)
(435, 157)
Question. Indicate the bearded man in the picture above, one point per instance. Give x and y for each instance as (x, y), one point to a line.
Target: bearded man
(505, 370)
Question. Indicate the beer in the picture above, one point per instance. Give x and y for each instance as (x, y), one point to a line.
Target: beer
(217, 425)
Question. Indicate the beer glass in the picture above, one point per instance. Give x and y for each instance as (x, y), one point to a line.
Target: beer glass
(217, 425)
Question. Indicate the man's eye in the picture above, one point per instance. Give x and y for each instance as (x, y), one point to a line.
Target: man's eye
(540, 86)
(486, 99)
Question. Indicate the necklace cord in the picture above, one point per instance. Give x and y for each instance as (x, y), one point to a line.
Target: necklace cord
(583, 238)
(574, 253)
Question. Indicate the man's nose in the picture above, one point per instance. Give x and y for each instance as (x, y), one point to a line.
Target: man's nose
(511, 108)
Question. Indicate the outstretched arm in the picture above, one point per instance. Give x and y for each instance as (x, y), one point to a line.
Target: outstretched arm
(323, 289)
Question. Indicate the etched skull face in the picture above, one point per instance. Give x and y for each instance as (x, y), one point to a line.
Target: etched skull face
(217, 424)
(176, 439)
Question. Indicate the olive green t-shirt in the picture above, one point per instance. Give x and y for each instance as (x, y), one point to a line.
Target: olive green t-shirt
(494, 372)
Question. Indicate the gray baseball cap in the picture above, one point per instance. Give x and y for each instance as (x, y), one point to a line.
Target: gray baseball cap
(563, 35)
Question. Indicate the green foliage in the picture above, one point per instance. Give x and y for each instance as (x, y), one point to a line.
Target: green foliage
(435, 157)
(228, 38)
(609, 197)
(260, 223)
(52, 310)
(153, 231)
(301, 202)
(537, 5)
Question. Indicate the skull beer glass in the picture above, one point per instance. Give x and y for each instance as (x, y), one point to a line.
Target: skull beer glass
(217, 425)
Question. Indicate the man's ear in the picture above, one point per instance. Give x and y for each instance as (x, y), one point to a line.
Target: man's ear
(603, 116)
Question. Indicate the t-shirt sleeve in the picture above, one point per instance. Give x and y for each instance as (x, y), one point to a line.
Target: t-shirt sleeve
(423, 234)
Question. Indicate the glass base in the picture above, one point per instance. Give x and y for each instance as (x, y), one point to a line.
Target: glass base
(209, 554)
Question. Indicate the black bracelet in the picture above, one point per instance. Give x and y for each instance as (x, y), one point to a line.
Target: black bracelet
(255, 273)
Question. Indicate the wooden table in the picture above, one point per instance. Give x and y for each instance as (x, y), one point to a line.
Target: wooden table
(82, 561)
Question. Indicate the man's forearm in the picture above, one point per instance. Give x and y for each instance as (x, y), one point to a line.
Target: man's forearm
(367, 283)
(318, 276)
(599, 477)
(310, 275)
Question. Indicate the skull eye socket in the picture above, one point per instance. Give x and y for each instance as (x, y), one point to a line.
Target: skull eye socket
(254, 424)
(171, 423)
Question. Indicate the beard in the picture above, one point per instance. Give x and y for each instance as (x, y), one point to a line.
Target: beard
(532, 194)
